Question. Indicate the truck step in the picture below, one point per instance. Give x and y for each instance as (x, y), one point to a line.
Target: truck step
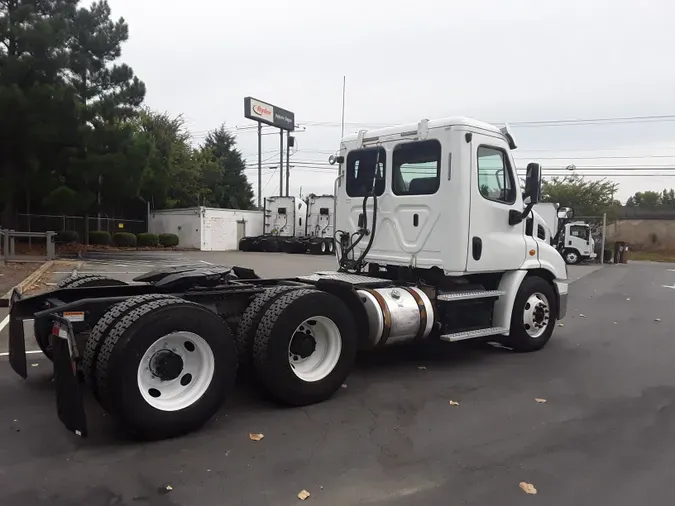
(473, 294)
(471, 334)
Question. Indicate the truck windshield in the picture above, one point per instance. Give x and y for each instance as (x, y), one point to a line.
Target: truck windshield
(361, 171)
(579, 231)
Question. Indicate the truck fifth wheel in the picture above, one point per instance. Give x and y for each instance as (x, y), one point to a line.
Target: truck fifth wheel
(431, 244)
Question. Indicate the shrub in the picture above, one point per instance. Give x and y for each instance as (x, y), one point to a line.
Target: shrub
(99, 237)
(67, 237)
(124, 239)
(168, 240)
(148, 240)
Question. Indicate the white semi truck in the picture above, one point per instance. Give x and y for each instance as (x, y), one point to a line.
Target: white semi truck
(431, 245)
(573, 240)
(320, 229)
(284, 219)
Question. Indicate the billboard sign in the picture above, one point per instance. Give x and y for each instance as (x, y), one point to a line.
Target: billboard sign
(269, 114)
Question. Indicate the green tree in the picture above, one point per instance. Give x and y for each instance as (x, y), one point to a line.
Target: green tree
(644, 199)
(223, 172)
(652, 199)
(38, 109)
(586, 197)
(114, 151)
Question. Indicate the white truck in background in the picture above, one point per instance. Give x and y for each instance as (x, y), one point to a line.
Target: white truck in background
(573, 240)
(284, 219)
(320, 224)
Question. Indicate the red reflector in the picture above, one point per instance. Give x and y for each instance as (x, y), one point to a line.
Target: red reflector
(55, 330)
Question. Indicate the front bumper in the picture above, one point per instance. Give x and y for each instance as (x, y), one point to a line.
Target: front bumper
(561, 288)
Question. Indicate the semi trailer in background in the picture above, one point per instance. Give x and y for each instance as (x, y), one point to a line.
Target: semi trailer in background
(294, 225)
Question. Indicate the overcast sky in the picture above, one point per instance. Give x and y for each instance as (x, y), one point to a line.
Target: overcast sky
(519, 61)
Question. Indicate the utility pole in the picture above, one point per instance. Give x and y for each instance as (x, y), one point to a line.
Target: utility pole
(604, 233)
(290, 141)
(259, 165)
(281, 162)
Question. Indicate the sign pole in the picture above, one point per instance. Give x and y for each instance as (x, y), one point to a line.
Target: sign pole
(281, 162)
(288, 162)
(259, 165)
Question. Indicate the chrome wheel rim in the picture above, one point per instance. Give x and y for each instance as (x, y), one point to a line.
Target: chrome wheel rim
(536, 315)
(315, 349)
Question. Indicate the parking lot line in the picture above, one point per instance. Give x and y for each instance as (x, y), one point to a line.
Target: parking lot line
(4, 323)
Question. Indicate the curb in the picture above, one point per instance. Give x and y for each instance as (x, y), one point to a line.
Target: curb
(31, 278)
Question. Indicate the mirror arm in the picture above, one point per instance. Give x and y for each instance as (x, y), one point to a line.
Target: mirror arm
(516, 217)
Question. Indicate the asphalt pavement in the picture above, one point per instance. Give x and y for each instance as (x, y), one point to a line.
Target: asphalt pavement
(391, 436)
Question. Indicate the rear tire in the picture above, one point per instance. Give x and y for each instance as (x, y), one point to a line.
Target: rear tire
(101, 330)
(183, 389)
(288, 319)
(245, 244)
(533, 316)
(270, 244)
(250, 319)
(42, 327)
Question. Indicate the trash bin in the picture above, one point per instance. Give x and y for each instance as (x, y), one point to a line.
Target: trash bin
(620, 252)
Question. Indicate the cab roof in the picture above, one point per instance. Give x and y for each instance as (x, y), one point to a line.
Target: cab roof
(460, 121)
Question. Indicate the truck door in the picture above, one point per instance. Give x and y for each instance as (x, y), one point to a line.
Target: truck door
(494, 245)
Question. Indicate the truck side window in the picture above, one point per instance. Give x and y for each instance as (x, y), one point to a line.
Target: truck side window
(361, 171)
(579, 231)
(417, 168)
(495, 179)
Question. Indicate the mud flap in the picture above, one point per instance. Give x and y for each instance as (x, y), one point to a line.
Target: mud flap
(17, 341)
(69, 395)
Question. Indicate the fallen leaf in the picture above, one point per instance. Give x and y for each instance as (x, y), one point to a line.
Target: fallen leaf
(422, 368)
(582, 316)
(528, 488)
(454, 403)
(303, 495)
(344, 386)
(169, 488)
(561, 325)
(615, 323)
(540, 401)
(628, 298)
(256, 437)
(657, 319)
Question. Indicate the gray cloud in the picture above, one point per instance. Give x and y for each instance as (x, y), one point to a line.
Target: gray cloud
(521, 60)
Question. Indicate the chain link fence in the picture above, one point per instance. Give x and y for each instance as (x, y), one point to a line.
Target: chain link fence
(80, 224)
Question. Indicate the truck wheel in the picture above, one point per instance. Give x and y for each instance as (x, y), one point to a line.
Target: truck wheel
(331, 247)
(305, 347)
(323, 248)
(270, 244)
(315, 248)
(103, 327)
(245, 244)
(572, 257)
(533, 316)
(166, 367)
(250, 319)
(42, 327)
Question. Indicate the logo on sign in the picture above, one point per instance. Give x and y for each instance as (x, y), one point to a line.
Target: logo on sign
(262, 111)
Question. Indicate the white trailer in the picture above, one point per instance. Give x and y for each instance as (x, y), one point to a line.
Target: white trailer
(432, 245)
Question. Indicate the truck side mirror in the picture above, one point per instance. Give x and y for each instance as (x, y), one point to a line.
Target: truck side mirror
(533, 182)
(566, 213)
